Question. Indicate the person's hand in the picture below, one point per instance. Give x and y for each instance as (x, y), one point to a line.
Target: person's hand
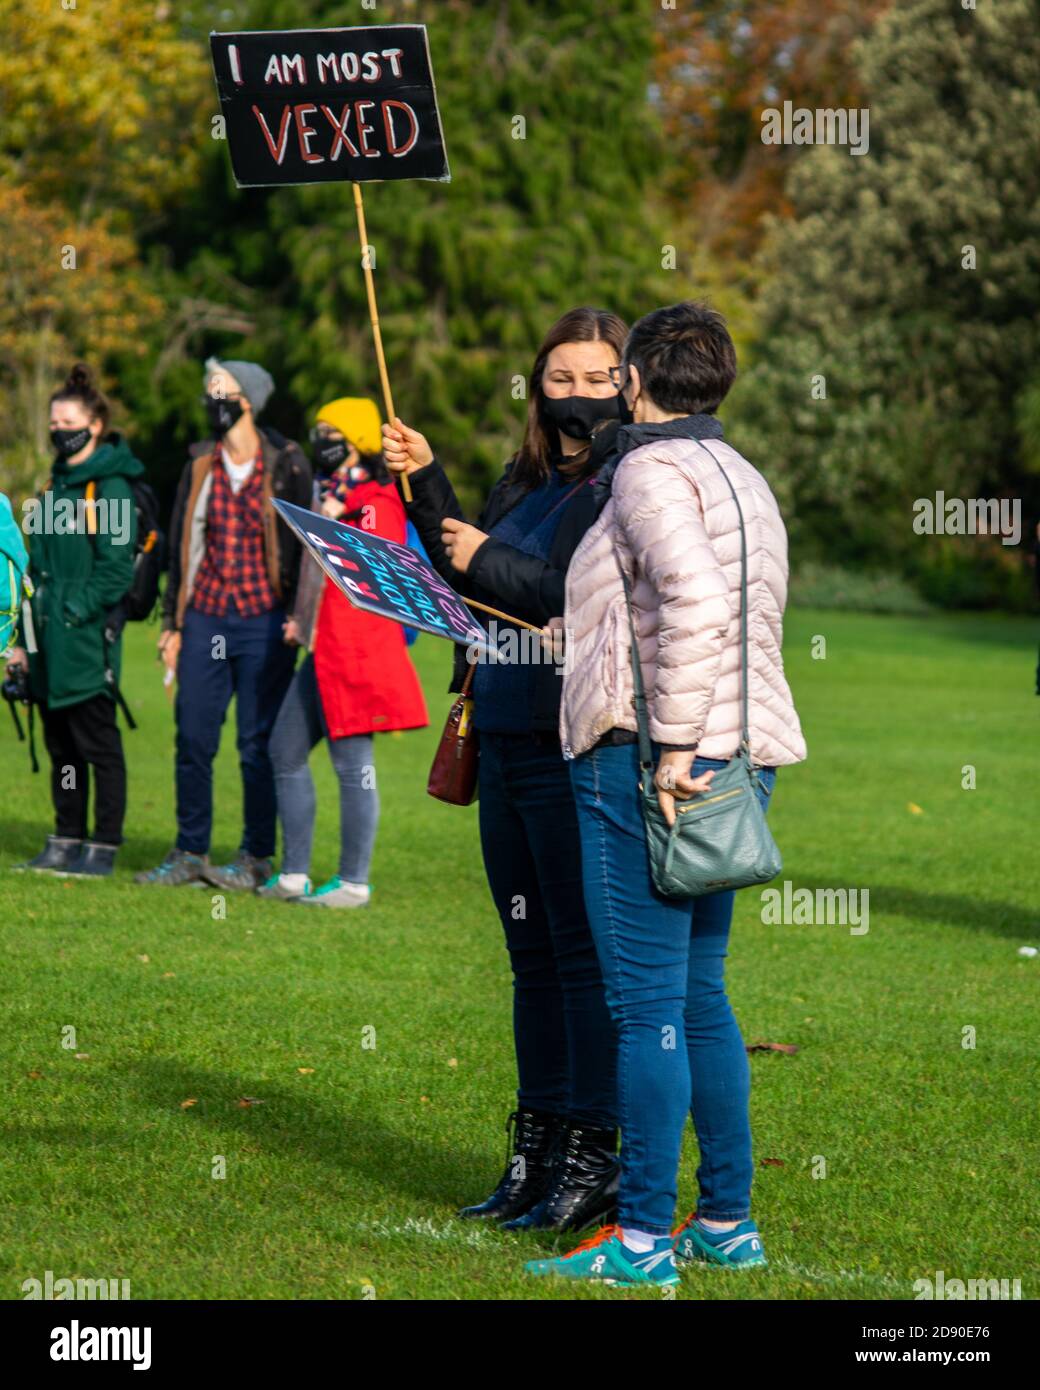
(553, 640)
(170, 649)
(461, 542)
(291, 634)
(16, 657)
(674, 783)
(404, 449)
(333, 508)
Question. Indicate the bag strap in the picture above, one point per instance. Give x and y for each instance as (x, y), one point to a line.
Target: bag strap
(645, 751)
(745, 734)
(646, 755)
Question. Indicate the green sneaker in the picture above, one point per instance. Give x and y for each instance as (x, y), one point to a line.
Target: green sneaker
(338, 893)
(605, 1257)
(740, 1248)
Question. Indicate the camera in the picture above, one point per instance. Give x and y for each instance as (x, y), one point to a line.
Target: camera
(15, 688)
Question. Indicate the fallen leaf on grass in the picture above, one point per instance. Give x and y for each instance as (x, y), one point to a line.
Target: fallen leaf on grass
(771, 1162)
(758, 1046)
(82, 1056)
(145, 960)
(453, 1061)
(167, 975)
(914, 809)
(305, 1071)
(186, 1103)
(34, 1075)
(244, 1102)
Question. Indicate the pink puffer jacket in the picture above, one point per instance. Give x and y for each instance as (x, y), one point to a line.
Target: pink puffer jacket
(672, 522)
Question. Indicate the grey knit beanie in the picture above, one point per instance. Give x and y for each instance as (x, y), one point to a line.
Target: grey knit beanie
(256, 383)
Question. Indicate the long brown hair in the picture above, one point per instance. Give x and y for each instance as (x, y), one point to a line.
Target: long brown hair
(582, 325)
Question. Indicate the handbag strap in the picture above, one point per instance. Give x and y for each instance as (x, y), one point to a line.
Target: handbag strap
(646, 755)
(745, 734)
(639, 689)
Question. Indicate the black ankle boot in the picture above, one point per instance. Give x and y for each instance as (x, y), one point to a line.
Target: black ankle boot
(58, 853)
(584, 1187)
(94, 861)
(529, 1166)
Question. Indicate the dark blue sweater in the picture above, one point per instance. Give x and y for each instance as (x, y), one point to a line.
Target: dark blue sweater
(503, 691)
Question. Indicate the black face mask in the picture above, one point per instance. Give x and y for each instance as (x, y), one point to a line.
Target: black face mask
(576, 416)
(69, 442)
(329, 454)
(222, 414)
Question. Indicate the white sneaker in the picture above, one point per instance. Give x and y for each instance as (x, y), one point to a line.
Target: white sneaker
(338, 893)
(287, 887)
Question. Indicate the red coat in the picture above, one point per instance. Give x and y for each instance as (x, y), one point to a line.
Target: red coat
(366, 679)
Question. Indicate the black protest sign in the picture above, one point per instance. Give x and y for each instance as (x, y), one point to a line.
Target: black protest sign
(385, 578)
(329, 105)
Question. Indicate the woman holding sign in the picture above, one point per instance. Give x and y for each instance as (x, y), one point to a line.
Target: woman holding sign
(357, 680)
(516, 559)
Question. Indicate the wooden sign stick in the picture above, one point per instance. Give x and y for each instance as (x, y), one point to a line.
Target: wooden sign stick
(517, 622)
(373, 313)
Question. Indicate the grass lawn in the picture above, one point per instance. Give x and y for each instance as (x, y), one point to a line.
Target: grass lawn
(245, 1036)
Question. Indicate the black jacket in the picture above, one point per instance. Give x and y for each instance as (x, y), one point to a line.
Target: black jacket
(501, 575)
(287, 475)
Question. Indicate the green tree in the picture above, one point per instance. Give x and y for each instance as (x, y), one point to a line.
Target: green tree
(909, 282)
(100, 106)
(555, 156)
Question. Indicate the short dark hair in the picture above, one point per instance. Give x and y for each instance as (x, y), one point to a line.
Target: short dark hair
(685, 357)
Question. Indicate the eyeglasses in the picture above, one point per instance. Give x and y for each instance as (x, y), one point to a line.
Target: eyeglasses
(227, 396)
(325, 432)
(618, 376)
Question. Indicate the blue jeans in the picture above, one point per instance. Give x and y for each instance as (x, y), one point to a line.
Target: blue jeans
(679, 1045)
(300, 725)
(565, 1045)
(253, 664)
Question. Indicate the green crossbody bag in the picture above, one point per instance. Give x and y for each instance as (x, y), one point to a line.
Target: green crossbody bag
(720, 839)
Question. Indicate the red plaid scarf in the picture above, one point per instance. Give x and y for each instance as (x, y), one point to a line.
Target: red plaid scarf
(233, 569)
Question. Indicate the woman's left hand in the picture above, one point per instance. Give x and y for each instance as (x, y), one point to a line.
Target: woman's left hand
(674, 783)
(461, 542)
(333, 508)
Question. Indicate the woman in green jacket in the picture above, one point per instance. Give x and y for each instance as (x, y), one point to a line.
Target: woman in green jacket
(81, 532)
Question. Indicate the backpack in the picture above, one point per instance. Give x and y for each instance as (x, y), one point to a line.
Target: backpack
(13, 564)
(138, 603)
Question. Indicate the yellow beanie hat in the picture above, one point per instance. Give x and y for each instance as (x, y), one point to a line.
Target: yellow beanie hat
(358, 419)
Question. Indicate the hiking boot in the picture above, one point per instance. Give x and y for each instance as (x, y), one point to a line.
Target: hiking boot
(178, 867)
(57, 854)
(245, 873)
(95, 861)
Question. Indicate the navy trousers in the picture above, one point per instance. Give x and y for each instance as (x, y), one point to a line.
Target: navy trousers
(221, 657)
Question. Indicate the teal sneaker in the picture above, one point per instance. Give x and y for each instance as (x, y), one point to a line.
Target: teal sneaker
(740, 1248)
(605, 1257)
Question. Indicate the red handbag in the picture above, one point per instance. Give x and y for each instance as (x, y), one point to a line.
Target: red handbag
(453, 774)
